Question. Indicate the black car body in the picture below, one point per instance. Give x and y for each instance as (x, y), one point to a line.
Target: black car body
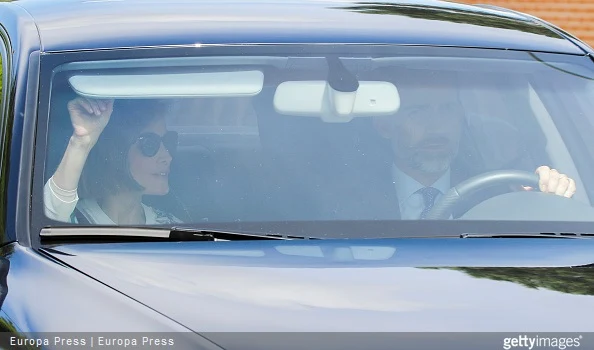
(365, 275)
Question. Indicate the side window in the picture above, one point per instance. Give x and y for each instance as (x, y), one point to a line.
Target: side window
(4, 93)
(1, 80)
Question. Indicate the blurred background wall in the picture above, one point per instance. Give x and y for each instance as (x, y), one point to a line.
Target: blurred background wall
(574, 16)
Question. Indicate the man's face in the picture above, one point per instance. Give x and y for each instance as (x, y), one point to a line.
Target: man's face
(425, 133)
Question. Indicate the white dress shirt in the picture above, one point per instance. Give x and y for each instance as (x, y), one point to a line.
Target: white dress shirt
(411, 203)
(60, 205)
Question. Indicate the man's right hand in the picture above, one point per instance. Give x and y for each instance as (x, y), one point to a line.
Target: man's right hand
(89, 117)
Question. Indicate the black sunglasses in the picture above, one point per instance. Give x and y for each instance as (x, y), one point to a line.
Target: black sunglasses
(150, 143)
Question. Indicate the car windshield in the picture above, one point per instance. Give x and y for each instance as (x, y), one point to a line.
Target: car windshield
(354, 133)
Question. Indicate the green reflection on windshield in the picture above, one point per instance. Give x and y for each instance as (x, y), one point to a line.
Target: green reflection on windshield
(568, 280)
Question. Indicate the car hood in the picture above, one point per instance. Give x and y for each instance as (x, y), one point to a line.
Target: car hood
(392, 285)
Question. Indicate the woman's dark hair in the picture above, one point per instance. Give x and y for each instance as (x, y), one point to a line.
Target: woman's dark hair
(107, 169)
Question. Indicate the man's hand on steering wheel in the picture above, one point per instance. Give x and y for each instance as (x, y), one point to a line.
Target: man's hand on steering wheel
(548, 180)
(551, 181)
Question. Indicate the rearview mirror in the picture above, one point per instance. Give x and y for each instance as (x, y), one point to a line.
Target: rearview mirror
(319, 99)
(207, 84)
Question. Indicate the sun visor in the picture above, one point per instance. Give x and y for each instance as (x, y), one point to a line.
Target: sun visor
(207, 84)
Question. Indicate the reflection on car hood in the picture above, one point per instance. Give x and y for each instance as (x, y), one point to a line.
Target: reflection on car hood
(399, 285)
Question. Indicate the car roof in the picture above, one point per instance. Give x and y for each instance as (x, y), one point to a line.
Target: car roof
(66, 25)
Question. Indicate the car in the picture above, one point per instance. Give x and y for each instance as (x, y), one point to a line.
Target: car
(244, 174)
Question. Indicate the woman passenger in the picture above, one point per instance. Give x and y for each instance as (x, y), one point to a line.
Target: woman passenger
(118, 153)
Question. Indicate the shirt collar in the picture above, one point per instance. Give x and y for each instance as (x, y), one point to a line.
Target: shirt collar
(96, 215)
(406, 186)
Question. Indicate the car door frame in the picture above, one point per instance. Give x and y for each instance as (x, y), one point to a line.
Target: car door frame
(6, 83)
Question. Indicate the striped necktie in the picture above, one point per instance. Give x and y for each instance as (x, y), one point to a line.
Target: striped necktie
(429, 194)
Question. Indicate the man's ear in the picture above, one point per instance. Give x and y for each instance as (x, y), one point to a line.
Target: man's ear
(384, 126)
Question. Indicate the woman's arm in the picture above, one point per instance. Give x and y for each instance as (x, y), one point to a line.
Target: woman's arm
(89, 118)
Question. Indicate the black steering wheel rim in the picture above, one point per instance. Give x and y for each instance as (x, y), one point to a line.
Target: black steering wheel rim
(443, 209)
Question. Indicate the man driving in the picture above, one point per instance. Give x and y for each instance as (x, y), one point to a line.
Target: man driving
(425, 139)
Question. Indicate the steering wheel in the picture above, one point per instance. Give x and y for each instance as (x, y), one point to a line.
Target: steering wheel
(465, 190)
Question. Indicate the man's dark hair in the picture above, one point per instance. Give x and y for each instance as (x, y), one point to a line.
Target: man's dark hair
(107, 170)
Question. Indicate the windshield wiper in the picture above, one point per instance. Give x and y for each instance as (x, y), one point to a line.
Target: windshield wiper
(184, 232)
(147, 234)
(528, 235)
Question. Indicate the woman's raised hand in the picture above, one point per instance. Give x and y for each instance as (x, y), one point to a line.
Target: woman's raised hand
(89, 117)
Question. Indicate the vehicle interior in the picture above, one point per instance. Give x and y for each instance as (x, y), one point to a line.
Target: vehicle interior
(243, 158)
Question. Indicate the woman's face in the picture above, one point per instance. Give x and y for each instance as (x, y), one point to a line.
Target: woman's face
(151, 172)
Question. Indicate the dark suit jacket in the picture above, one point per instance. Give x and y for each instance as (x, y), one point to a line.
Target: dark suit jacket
(372, 196)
